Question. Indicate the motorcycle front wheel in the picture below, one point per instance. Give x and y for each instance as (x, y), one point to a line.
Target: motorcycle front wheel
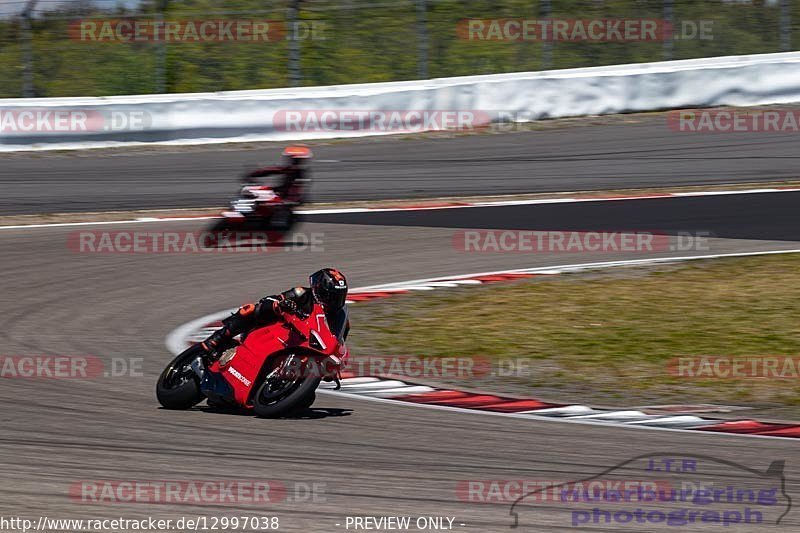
(283, 220)
(218, 225)
(278, 396)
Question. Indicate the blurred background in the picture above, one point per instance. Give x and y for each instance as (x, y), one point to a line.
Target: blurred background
(349, 41)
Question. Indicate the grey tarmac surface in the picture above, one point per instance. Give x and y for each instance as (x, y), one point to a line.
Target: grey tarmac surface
(631, 152)
(761, 216)
(373, 459)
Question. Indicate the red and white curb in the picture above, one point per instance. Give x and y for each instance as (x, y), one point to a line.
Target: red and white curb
(390, 389)
(426, 206)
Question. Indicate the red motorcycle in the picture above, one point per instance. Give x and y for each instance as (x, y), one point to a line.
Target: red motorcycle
(275, 370)
(259, 207)
(264, 208)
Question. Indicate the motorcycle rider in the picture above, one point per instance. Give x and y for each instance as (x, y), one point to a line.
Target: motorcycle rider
(327, 287)
(293, 172)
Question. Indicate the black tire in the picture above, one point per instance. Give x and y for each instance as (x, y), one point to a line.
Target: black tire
(176, 389)
(283, 222)
(307, 402)
(301, 392)
(218, 225)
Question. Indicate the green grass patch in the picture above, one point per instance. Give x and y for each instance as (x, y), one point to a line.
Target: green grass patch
(609, 334)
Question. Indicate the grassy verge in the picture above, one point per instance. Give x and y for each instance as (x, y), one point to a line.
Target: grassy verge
(608, 336)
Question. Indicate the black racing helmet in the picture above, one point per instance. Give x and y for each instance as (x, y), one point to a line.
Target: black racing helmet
(329, 287)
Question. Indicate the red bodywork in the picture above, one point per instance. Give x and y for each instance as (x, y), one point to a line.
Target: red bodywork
(256, 201)
(293, 335)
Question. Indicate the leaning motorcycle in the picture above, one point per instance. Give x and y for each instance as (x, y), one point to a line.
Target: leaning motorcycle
(275, 370)
(259, 207)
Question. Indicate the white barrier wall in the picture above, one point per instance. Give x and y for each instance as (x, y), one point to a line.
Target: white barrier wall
(385, 108)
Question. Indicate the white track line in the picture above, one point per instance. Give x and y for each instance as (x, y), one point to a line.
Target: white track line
(467, 205)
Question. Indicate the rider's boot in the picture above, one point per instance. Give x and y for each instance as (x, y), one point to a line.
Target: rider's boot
(216, 343)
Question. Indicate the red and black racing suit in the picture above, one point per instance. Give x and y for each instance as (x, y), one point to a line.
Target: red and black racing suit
(268, 310)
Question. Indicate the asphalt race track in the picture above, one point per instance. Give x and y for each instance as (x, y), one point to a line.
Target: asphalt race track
(737, 216)
(639, 151)
(367, 458)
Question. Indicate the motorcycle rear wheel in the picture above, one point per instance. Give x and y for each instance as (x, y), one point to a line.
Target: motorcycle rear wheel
(178, 387)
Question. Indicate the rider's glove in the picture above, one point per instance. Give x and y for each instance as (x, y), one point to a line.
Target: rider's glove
(291, 307)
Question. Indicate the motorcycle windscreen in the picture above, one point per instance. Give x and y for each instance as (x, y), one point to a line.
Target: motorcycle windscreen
(338, 323)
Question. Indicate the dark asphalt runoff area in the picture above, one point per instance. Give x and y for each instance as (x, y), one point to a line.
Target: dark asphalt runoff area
(761, 216)
(639, 152)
